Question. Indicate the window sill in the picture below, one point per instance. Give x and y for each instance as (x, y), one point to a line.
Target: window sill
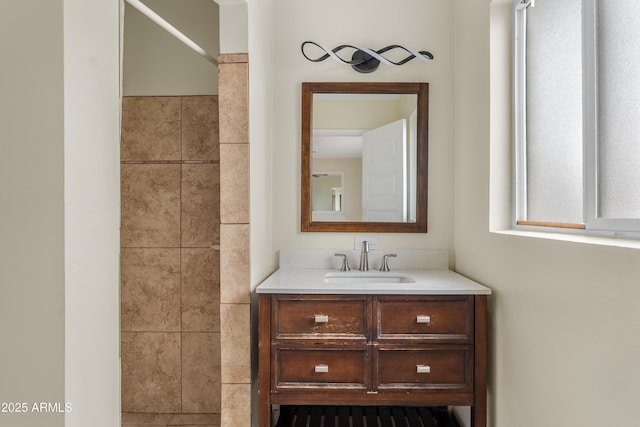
(610, 239)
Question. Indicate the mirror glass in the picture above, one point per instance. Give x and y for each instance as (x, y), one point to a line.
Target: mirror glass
(364, 157)
(326, 190)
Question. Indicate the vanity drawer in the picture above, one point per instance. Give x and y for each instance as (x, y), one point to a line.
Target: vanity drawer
(432, 318)
(309, 367)
(433, 367)
(320, 317)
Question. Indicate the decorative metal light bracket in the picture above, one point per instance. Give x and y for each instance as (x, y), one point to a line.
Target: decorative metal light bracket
(365, 60)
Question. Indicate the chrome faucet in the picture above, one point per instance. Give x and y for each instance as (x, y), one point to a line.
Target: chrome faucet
(385, 261)
(345, 262)
(364, 256)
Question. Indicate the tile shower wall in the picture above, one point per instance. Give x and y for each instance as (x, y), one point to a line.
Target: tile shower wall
(170, 256)
(235, 288)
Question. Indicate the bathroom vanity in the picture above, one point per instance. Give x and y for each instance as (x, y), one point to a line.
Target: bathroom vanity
(411, 336)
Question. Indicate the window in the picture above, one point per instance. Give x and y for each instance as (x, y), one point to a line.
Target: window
(577, 115)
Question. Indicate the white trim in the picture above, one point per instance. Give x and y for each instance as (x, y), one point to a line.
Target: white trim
(519, 113)
(589, 111)
(230, 2)
(519, 5)
(622, 240)
(594, 225)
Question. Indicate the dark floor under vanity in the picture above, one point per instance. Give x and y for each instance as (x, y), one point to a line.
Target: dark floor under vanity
(365, 416)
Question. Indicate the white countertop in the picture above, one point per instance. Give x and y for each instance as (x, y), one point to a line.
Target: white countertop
(427, 282)
(303, 271)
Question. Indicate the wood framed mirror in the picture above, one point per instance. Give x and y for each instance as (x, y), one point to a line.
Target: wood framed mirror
(364, 157)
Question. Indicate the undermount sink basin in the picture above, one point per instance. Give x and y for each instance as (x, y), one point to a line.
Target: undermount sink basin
(363, 277)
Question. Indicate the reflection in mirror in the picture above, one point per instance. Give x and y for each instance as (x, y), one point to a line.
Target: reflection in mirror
(373, 148)
(374, 137)
(326, 188)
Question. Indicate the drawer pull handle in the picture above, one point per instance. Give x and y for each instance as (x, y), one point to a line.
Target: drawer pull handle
(423, 319)
(321, 368)
(423, 369)
(321, 318)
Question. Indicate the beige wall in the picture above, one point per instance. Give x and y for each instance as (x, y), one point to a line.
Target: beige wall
(359, 114)
(420, 24)
(92, 212)
(59, 227)
(564, 315)
(156, 63)
(234, 34)
(261, 128)
(32, 226)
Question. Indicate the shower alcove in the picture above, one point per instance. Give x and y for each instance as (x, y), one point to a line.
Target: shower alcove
(185, 298)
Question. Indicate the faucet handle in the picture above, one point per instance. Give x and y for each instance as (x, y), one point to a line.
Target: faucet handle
(345, 262)
(385, 262)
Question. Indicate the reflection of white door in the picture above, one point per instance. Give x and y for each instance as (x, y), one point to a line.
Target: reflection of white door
(384, 179)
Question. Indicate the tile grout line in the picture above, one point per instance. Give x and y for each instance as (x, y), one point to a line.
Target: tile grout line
(169, 162)
(171, 247)
(181, 326)
(181, 250)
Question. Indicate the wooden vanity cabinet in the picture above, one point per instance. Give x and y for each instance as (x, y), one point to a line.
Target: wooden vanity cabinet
(411, 350)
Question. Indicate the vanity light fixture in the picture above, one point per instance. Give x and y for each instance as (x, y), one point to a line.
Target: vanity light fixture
(365, 60)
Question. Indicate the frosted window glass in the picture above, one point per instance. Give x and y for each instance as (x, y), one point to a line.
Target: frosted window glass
(554, 112)
(618, 33)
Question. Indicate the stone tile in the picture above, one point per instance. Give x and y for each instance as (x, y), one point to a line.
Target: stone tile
(150, 212)
(150, 128)
(200, 205)
(236, 405)
(146, 419)
(230, 58)
(200, 425)
(234, 102)
(150, 295)
(235, 277)
(200, 373)
(200, 290)
(234, 184)
(151, 372)
(195, 420)
(200, 133)
(235, 338)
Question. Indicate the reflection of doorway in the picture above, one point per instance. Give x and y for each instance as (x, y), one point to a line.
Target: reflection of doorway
(326, 189)
(412, 171)
(384, 177)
